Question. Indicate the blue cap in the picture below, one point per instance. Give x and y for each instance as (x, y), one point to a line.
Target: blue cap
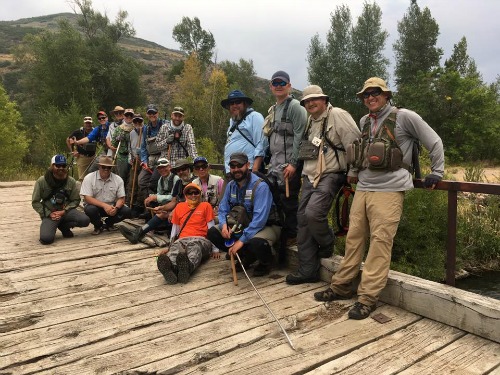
(59, 159)
(200, 159)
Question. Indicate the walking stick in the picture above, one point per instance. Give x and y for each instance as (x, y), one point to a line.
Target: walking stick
(267, 306)
(233, 268)
(92, 162)
(135, 169)
(287, 188)
(116, 153)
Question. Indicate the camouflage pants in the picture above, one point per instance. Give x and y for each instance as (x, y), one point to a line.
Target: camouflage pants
(198, 249)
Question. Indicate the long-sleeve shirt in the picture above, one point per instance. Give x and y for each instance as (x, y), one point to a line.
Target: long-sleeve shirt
(259, 206)
(252, 128)
(149, 131)
(409, 127)
(42, 192)
(180, 148)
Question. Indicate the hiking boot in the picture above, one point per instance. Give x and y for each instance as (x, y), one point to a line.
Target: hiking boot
(329, 295)
(166, 268)
(133, 235)
(110, 227)
(67, 233)
(297, 278)
(361, 311)
(185, 267)
(97, 230)
(325, 251)
(261, 269)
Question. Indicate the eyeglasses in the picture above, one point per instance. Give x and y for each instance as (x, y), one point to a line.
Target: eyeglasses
(60, 166)
(182, 168)
(138, 121)
(193, 192)
(279, 83)
(236, 165)
(129, 115)
(373, 93)
(237, 102)
(151, 113)
(198, 167)
(105, 167)
(101, 118)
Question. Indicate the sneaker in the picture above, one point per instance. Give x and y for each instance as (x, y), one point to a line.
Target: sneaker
(297, 278)
(110, 228)
(185, 267)
(97, 230)
(361, 311)
(67, 233)
(261, 270)
(166, 268)
(44, 242)
(329, 295)
(133, 235)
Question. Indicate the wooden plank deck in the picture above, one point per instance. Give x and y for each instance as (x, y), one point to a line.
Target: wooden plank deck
(97, 305)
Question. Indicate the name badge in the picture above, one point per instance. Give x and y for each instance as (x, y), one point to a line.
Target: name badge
(316, 141)
(248, 194)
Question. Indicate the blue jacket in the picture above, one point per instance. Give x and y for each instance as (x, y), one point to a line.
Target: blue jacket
(98, 134)
(259, 210)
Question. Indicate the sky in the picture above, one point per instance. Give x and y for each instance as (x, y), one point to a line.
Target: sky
(275, 35)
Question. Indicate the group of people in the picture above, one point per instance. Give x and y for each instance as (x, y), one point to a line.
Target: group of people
(311, 149)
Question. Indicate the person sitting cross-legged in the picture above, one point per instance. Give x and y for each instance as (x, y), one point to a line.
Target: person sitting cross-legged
(189, 246)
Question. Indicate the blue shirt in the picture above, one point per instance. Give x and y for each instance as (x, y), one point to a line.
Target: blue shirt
(148, 131)
(252, 128)
(98, 134)
(260, 209)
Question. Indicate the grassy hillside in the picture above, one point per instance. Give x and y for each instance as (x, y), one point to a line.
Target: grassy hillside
(156, 59)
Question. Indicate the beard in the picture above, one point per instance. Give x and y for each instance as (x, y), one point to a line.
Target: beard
(60, 174)
(238, 115)
(239, 175)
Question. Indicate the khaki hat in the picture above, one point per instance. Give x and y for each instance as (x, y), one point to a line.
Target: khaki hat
(87, 119)
(181, 163)
(313, 91)
(106, 161)
(118, 109)
(178, 110)
(129, 110)
(374, 82)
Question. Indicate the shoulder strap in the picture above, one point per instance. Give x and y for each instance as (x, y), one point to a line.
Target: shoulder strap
(285, 110)
(235, 127)
(336, 149)
(185, 222)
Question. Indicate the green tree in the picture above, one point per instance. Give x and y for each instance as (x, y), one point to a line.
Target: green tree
(13, 143)
(416, 50)
(215, 91)
(461, 62)
(194, 39)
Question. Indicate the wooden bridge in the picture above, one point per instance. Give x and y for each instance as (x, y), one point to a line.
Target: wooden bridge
(98, 305)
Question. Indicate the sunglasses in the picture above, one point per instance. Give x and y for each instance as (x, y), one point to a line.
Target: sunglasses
(129, 115)
(60, 166)
(198, 167)
(279, 83)
(137, 121)
(106, 168)
(237, 102)
(101, 118)
(236, 165)
(182, 168)
(373, 93)
(193, 192)
(151, 113)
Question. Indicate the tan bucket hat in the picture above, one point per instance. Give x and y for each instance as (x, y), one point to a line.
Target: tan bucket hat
(313, 91)
(106, 161)
(374, 82)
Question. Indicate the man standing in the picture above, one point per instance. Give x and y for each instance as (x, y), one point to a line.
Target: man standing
(120, 140)
(189, 245)
(176, 140)
(118, 114)
(98, 137)
(245, 130)
(329, 131)
(149, 152)
(136, 200)
(104, 195)
(84, 154)
(378, 203)
(252, 240)
(55, 198)
(284, 127)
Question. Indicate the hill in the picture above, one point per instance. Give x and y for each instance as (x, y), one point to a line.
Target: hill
(156, 59)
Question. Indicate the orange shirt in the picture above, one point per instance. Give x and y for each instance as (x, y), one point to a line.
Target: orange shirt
(197, 224)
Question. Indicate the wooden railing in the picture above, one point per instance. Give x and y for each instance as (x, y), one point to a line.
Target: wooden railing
(453, 187)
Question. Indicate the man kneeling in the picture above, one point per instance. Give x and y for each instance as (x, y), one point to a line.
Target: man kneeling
(189, 246)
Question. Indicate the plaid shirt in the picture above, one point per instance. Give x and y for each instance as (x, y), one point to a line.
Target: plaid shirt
(179, 149)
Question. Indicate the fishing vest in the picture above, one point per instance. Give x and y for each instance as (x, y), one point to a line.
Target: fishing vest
(379, 152)
(280, 135)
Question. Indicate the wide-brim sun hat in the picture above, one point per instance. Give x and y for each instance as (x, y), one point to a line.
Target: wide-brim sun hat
(181, 163)
(374, 82)
(312, 91)
(106, 161)
(234, 96)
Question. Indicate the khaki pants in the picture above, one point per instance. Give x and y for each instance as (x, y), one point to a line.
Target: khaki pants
(377, 215)
(83, 162)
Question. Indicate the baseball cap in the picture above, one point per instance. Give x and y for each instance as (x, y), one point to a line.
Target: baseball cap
(58, 159)
(87, 119)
